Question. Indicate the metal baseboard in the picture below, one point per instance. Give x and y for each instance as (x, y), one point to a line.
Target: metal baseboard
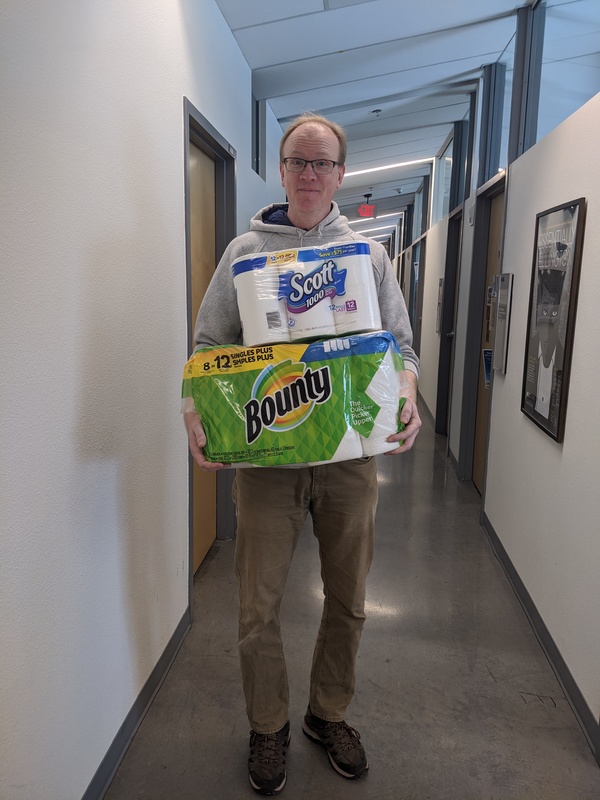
(110, 763)
(583, 713)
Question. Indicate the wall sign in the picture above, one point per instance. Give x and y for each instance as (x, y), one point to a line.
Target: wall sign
(503, 288)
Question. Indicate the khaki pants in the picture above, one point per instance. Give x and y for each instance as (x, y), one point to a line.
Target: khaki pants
(272, 505)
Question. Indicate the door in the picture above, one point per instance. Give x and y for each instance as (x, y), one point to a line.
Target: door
(487, 341)
(201, 170)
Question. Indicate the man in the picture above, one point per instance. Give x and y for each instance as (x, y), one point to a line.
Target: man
(272, 503)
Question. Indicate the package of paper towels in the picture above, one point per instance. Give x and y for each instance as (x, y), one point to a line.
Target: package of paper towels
(293, 404)
(307, 293)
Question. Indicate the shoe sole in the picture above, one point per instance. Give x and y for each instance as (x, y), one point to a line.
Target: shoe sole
(271, 792)
(268, 792)
(314, 736)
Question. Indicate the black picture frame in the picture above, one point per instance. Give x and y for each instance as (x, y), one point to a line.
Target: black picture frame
(555, 275)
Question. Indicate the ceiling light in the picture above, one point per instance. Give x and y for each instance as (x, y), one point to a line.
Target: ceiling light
(380, 228)
(390, 166)
(379, 216)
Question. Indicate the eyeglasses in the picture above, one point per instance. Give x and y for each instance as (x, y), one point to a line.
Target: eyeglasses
(321, 166)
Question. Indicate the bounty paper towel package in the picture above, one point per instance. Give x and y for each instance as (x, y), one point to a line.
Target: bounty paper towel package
(306, 293)
(286, 404)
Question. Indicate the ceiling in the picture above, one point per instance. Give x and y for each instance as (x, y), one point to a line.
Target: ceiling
(395, 74)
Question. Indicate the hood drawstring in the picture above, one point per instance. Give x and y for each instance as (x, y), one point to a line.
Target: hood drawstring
(302, 233)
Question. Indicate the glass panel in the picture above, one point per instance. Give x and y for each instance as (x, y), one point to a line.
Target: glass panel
(508, 59)
(417, 213)
(466, 160)
(441, 189)
(570, 61)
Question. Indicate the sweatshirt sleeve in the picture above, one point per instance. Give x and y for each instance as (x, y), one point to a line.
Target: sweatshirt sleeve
(218, 320)
(394, 314)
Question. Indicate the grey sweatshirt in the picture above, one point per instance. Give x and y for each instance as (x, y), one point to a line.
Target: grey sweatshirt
(218, 319)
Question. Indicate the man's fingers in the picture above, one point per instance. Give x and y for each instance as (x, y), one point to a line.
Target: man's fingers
(197, 441)
(412, 424)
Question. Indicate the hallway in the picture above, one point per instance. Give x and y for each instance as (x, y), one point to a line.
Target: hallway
(455, 699)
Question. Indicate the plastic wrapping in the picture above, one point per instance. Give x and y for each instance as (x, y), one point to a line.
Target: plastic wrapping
(306, 293)
(296, 404)
(187, 405)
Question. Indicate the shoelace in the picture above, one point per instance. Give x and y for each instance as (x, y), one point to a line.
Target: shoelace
(345, 736)
(268, 747)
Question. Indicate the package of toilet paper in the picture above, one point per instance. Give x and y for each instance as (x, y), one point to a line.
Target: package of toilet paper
(297, 404)
(306, 293)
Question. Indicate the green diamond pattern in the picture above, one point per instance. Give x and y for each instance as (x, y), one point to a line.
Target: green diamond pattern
(220, 403)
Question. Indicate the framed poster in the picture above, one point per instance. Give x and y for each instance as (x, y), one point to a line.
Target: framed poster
(551, 320)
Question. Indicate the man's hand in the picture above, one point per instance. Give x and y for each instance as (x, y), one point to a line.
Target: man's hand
(197, 440)
(410, 417)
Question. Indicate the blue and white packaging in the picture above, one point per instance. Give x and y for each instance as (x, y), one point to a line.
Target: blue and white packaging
(306, 293)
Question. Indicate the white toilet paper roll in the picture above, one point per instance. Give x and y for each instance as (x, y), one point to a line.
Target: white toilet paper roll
(308, 286)
(316, 322)
(263, 314)
(358, 309)
(384, 390)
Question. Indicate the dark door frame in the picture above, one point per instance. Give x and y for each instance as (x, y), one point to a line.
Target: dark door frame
(199, 131)
(476, 303)
(447, 322)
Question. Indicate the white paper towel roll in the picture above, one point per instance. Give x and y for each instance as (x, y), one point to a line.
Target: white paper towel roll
(358, 309)
(263, 314)
(384, 390)
(350, 447)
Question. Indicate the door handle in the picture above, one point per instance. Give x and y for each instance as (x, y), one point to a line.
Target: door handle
(450, 335)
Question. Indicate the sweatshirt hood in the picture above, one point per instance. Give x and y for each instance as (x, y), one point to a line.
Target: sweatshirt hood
(274, 219)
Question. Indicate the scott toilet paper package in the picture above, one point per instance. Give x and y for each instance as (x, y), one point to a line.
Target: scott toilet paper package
(288, 404)
(307, 293)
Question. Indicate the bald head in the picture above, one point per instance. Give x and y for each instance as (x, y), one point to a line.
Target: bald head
(316, 119)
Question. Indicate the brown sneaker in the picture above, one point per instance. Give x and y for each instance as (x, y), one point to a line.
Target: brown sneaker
(343, 745)
(266, 764)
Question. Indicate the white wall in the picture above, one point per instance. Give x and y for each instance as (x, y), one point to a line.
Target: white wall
(435, 262)
(541, 497)
(94, 540)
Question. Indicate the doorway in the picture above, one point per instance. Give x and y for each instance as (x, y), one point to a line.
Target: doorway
(203, 264)
(210, 225)
(494, 243)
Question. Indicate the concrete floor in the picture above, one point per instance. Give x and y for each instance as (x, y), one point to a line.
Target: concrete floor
(455, 699)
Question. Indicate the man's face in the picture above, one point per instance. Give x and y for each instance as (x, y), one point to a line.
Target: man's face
(310, 195)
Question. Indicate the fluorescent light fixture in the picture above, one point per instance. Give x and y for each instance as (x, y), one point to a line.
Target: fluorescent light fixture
(379, 216)
(390, 166)
(380, 228)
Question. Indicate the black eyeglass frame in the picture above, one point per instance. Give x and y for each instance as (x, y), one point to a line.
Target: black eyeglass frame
(312, 164)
